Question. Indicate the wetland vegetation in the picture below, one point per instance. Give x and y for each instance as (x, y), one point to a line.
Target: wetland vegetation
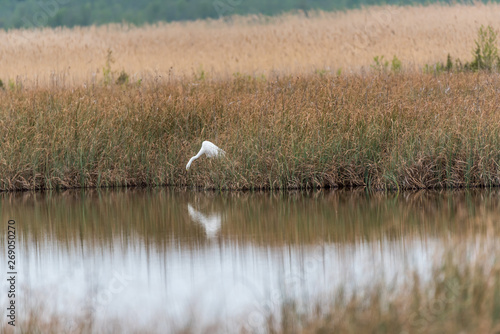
(381, 98)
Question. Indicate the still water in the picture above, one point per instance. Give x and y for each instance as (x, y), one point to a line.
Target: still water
(162, 259)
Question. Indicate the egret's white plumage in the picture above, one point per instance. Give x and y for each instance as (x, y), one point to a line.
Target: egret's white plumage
(208, 148)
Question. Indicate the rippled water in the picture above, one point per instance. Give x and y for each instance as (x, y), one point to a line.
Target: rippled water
(159, 258)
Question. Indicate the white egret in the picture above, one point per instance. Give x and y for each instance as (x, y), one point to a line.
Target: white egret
(208, 148)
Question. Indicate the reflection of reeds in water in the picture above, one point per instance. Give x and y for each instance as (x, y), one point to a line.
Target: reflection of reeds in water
(461, 295)
(161, 217)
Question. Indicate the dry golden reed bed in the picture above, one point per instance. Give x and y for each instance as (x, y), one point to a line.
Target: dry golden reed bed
(254, 45)
(383, 131)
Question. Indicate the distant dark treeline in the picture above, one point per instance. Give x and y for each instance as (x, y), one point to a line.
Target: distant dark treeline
(53, 13)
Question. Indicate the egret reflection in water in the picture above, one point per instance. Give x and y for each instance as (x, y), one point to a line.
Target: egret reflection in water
(211, 223)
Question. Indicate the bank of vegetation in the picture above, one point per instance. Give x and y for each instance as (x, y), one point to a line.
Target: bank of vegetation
(386, 125)
(379, 130)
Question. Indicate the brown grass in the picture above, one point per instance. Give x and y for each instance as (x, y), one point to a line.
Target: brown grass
(381, 131)
(288, 44)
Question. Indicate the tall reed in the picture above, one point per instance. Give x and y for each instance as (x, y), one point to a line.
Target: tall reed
(382, 131)
(256, 45)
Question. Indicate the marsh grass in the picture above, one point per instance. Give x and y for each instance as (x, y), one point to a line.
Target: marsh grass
(379, 130)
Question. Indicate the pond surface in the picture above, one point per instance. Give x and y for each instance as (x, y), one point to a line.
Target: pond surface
(162, 259)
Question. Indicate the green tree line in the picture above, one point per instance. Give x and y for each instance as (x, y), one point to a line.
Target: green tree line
(53, 13)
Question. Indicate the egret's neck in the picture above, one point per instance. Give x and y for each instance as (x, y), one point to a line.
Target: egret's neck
(191, 161)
